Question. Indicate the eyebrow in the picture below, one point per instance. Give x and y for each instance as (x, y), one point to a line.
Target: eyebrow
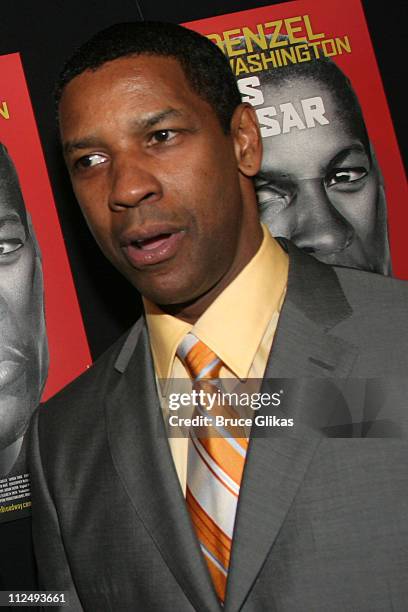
(155, 118)
(13, 218)
(344, 153)
(274, 176)
(138, 125)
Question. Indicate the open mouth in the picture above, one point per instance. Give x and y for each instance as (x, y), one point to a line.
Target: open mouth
(152, 243)
(153, 248)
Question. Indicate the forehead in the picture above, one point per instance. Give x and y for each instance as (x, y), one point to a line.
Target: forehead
(11, 199)
(296, 88)
(138, 84)
(305, 151)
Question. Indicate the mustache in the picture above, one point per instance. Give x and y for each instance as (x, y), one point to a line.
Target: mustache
(147, 213)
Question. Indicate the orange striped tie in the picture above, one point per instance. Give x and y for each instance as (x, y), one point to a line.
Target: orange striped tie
(215, 466)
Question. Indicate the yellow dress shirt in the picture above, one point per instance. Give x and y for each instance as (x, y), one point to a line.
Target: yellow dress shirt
(238, 326)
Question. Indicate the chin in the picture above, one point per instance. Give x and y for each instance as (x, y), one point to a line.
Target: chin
(168, 298)
(166, 293)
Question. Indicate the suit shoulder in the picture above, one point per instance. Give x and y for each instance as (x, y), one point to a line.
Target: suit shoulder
(378, 324)
(93, 384)
(373, 292)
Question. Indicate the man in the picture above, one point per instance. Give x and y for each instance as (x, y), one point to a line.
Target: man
(162, 154)
(23, 342)
(319, 183)
(23, 369)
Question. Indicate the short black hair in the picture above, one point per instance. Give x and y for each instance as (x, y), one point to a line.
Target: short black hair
(204, 65)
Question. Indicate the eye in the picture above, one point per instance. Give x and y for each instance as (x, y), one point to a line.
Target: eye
(10, 246)
(162, 136)
(345, 175)
(89, 161)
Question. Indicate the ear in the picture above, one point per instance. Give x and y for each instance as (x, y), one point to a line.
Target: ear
(247, 139)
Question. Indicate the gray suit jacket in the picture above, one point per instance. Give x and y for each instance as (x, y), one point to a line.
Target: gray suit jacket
(322, 523)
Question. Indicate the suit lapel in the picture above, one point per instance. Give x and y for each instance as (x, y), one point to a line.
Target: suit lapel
(303, 348)
(142, 457)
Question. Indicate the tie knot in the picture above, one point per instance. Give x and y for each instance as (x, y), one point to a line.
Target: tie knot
(198, 358)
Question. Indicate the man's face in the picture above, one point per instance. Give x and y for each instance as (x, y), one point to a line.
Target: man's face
(23, 347)
(318, 187)
(157, 179)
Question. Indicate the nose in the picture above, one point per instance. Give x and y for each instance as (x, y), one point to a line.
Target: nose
(320, 228)
(133, 182)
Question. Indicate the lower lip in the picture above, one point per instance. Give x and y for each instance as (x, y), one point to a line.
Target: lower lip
(165, 249)
(9, 372)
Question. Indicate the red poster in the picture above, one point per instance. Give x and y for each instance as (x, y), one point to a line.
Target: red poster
(332, 177)
(31, 249)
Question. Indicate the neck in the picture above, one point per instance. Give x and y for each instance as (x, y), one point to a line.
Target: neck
(190, 312)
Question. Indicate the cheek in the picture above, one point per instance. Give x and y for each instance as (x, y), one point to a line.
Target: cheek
(17, 286)
(223, 202)
(209, 171)
(359, 207)
(22, 327)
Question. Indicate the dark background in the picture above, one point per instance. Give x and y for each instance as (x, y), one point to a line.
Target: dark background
(45, 33)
